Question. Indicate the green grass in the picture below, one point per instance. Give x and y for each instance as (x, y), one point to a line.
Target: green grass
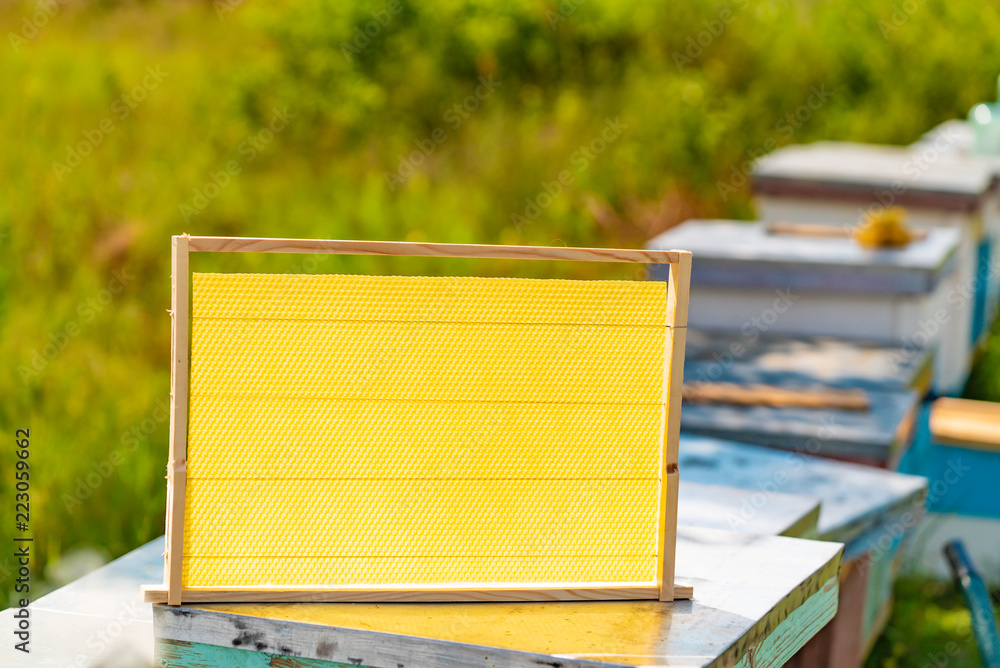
(930, 626)
(984, 381)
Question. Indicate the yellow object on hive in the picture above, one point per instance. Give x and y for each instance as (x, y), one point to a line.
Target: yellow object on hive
(884, 228)
(375, 430)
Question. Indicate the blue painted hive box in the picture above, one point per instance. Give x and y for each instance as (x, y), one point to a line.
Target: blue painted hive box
(958, 449)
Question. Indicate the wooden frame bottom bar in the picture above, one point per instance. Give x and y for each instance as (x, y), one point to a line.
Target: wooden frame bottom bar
(158, 594)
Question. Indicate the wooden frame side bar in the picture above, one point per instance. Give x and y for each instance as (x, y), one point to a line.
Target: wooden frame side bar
(405, 248)
(677, 308)
(177, 458)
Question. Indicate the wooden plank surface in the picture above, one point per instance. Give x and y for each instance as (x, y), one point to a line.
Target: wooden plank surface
(840, 643)
(772, 395)
(404, 248)
(872, 437)
(824, 230)
(774, 650)
(747, 586)
(973, 424)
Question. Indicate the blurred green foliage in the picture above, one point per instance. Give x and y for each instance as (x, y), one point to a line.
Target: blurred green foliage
(930, 626)
(128, 122)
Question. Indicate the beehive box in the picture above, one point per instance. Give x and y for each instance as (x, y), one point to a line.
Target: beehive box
(840, 363)
(752, 282)
(387, 438)
(840, 182)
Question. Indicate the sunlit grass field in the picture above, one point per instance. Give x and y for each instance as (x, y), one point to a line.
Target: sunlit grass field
(127, 122)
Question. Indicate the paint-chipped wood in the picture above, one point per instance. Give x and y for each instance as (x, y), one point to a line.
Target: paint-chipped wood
(748, 589)
(860, 504)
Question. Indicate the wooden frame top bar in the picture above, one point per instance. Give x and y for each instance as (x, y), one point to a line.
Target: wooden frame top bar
(404, 248)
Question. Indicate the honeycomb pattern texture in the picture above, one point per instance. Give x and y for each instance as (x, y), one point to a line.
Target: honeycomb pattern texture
(399, 430)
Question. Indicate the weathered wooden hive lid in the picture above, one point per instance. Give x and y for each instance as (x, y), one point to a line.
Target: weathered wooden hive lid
(856, 500)
(735, 357)
(919, 176)
(747, 254)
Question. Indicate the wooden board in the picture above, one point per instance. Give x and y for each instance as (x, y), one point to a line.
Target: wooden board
(253, 527)
(824, 231)
(759, 598)
(775, 396)
(96, 620)
(974, 424)
(878, 436)
(840, 644)
(962, 475)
